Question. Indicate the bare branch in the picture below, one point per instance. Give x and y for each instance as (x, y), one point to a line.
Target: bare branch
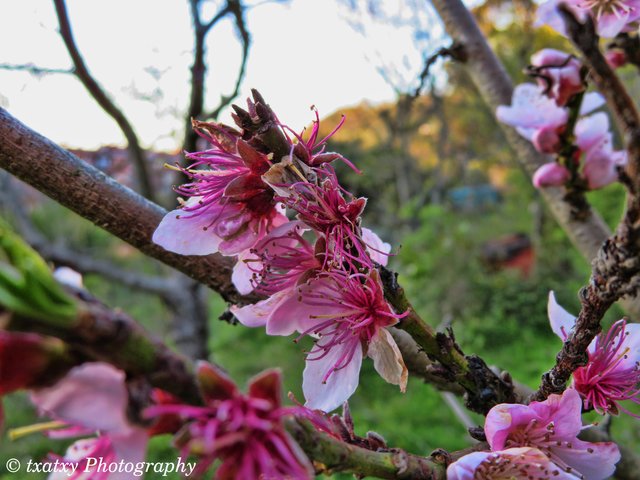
(198, 70)
(95, 90)
(455, 51)
(34, 69)
(237, 10)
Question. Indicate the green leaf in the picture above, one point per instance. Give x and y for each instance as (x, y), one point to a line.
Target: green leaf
(27, 286)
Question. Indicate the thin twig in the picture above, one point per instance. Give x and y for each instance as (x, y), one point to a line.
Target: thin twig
(35, 69)
(95, 90)
(237, 9)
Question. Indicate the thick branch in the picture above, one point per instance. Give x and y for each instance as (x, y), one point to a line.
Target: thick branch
(100, 199)
(82, 72)
(101, 334)
(495, 86)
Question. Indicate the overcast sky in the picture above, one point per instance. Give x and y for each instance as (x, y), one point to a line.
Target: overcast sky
(304, 53)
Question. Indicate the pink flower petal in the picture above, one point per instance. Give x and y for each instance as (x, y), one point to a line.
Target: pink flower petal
(377, 249)
(600, 166)
(521, 462)
(244, 275)
(592, 130)
(183, 233)
(267, 385)
(550, 174)
(130, 448)
(92, 395)
(596, 461)
(257, 314)
(500, 421)
(590, 102)
(548, 14)
(340, 385)
(561, 321)
(609, 25)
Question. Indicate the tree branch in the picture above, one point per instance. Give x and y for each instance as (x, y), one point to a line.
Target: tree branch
(95, 196)
(332, 455)
(495, 86)
(82, 72)
(616, 269)
(484, 389)
(103, 201)
(34, 69)
(100, 334)
(237, 10)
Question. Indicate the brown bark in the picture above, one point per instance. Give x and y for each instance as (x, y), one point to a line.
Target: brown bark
(100, 199)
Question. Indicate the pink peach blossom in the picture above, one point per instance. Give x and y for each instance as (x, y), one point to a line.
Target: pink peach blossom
(522, 462)
(535, 116)
(610, 16)
(552, 426)
(244, 431)
(558, 73)
(612, 373)
(93, 398)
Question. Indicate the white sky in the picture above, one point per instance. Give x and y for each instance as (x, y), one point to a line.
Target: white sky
(302, 54)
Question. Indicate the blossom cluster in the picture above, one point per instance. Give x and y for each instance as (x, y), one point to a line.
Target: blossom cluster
(612, 373)
(91, 403)
(537, 441)
(556, 116)
(318, 270)
(609, 16)
(245, 431)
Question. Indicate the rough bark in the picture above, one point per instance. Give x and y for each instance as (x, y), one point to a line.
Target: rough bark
(100, 199)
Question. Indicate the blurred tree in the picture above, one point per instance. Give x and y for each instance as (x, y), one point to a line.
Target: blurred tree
(185, 299)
